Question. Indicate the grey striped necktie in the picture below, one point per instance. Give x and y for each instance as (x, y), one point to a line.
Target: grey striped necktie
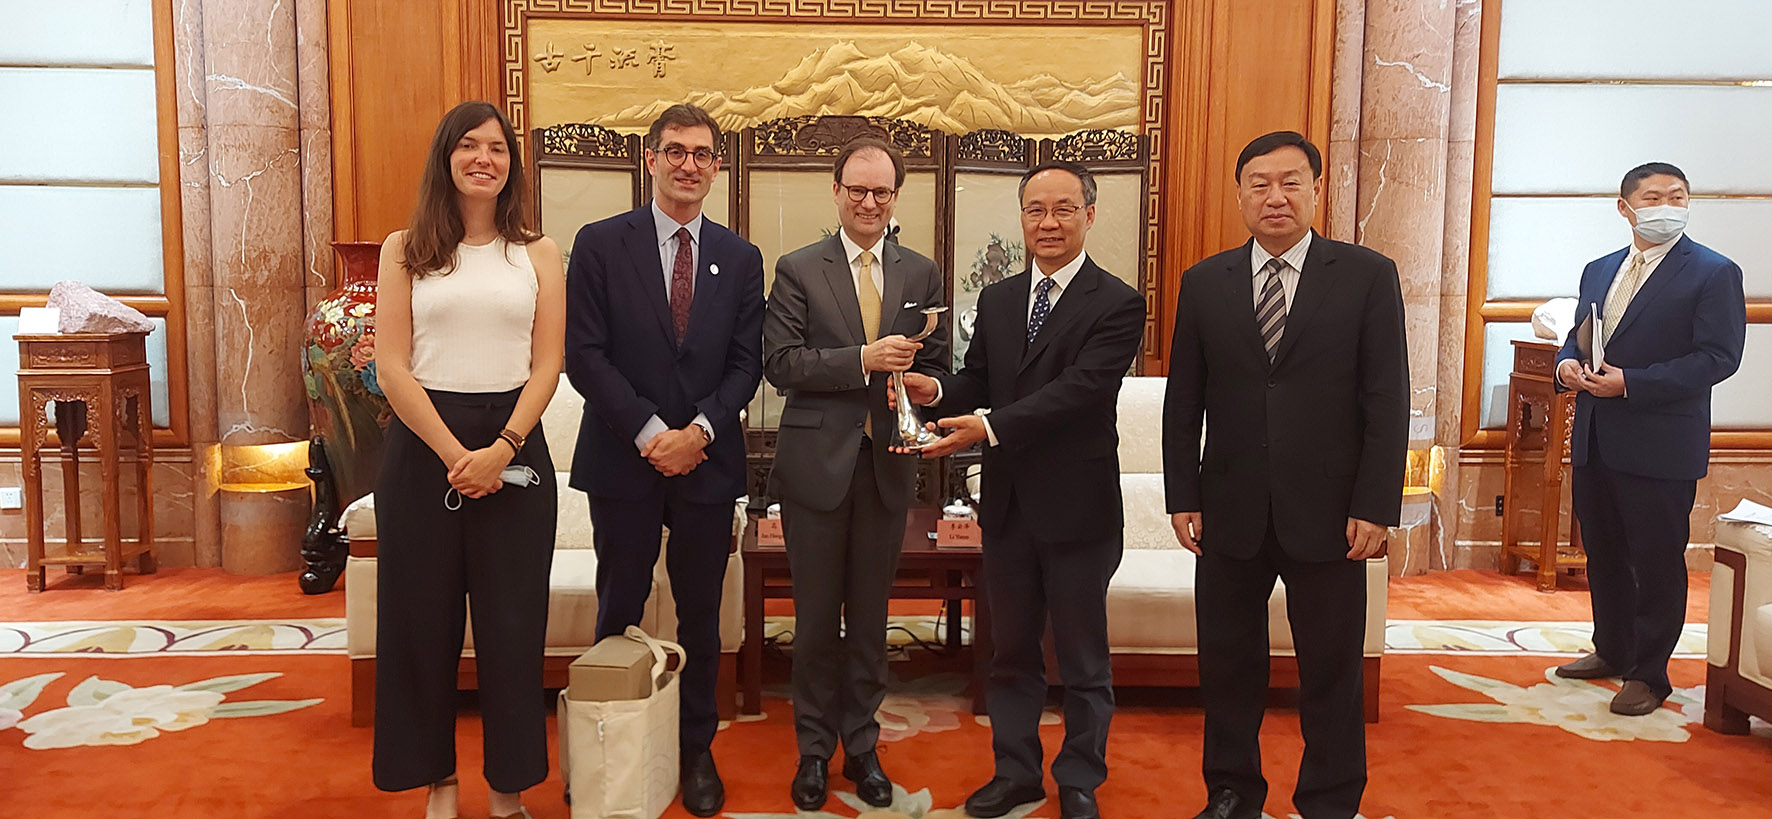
(1270, 311)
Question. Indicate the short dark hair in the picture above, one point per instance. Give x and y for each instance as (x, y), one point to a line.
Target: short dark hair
(683, 115)
(1635, 177)
(1269, 143)
(1081, 173)
(868, 143)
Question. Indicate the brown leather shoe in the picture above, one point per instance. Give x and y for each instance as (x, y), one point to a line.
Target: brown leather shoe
(1590, 667)
(1635, 699)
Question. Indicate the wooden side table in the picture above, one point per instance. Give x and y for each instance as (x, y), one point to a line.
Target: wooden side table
(1538, 425)
(99, 383)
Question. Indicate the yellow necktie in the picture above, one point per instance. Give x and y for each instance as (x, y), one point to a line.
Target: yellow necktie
(869, 296)
(1623, 290)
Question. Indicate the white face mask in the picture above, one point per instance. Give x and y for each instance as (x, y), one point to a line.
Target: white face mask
(1659, 223)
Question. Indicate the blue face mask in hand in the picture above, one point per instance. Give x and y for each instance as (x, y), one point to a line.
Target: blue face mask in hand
(514, 475)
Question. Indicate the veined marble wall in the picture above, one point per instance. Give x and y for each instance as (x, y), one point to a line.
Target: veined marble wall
(254, 145)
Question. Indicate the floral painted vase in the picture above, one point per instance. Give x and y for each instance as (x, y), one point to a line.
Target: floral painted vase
(345, 402)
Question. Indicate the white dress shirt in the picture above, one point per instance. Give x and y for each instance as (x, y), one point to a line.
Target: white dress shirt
(667, 259)
(1294, 259)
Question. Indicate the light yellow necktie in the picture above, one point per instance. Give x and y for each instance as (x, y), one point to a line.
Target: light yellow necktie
(1618, 299)
(869, 296)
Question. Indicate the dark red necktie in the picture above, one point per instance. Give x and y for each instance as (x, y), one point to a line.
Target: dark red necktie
(682, 283)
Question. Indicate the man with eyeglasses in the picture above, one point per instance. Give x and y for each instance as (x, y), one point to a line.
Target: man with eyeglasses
(663, 339)
(839, 313)
(1040, 384)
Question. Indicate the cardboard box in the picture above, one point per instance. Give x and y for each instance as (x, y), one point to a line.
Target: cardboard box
(616, 668)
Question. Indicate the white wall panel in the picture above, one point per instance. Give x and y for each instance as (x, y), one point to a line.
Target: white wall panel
(156, 350)
(1498, 362)
(1636, 39)
(85, 125)
(1745, 400)
(1538, 246)
(77, 32)
(1580, 139)
(108, 238)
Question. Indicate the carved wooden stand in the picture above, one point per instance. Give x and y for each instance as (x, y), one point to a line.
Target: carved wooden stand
(99, 383)
(1538, 423)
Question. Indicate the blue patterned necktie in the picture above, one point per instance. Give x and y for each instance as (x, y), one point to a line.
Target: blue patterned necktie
(1042, 307)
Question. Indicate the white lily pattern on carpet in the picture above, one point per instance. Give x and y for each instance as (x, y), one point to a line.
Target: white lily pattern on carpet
(105, 712)
(905, 805)
(1577, 706)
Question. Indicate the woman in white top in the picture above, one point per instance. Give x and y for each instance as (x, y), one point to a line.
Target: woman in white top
(470, 333)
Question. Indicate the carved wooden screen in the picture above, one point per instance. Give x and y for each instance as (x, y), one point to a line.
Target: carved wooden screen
(987, 242)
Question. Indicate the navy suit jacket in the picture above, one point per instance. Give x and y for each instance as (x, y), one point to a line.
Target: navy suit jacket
(623, 356)
(1681, 335)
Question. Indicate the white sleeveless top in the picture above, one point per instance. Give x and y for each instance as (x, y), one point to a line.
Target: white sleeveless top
(471, 328)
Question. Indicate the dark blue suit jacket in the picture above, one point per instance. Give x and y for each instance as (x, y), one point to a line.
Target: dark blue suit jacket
(1681, 335)
(623, 356)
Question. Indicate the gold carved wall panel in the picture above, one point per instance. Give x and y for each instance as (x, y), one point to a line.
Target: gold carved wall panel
(1094, 71)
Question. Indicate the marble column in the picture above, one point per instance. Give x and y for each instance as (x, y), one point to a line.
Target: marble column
(314, 103)
(193, 160)
(1400, 180)
(1455, 273)
(256, 261)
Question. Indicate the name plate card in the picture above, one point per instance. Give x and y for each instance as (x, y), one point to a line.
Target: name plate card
(958, 534)
(769, 532)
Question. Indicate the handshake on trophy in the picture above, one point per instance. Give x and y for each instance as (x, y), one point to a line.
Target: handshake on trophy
(912, 434)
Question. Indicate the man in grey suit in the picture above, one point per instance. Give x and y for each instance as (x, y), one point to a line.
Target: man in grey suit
(838, 316)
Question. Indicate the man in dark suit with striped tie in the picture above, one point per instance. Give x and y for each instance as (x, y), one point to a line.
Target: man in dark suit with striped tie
(1290, 350)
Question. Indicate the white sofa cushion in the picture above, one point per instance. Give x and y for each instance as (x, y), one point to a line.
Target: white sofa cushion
(1754, 543)
(1140, 423)
(1150, 606)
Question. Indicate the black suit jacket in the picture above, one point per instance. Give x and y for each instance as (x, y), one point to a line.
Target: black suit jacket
(623, 356)
(812, 340)
(1315, 438)
(1682, 334)
(1053, 402)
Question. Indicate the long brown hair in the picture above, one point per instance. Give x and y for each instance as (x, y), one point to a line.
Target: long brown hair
(436, 222)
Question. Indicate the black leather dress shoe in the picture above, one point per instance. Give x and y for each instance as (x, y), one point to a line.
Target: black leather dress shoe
(1076, 803)
(703, 792)
(1000, 796)
(1590, 667)
(809, 783)
(1226, 804)
(871, 783)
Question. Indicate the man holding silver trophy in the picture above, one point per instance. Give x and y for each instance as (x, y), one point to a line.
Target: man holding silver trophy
(844, 313)
(1039, 386)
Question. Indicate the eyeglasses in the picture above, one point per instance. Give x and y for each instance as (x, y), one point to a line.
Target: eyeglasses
(881, 195)
(1036, 213)
(675, 154)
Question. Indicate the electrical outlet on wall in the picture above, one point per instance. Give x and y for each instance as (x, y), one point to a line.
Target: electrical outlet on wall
(12, 497)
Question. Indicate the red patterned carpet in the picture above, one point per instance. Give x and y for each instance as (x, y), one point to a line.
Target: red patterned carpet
(1463, 734)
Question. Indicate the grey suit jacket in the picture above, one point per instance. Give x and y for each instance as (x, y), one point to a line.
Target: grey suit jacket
(812, 340)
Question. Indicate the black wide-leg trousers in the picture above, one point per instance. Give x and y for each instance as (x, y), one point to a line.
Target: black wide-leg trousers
(494, 552)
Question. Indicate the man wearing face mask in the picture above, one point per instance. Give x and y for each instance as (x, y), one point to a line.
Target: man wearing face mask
(1672, 323)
